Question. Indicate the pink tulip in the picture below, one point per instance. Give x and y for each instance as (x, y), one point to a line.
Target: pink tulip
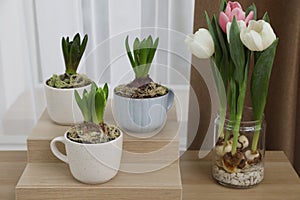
(233, 9)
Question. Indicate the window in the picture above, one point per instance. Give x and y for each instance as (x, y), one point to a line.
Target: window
(30, 51)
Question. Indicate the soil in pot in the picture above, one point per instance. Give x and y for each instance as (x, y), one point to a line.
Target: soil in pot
(137, 91)
(66, 81)
(90, 133)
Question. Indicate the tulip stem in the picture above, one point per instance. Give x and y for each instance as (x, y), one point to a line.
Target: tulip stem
(256, 136)
(221, 123)
(239, 113)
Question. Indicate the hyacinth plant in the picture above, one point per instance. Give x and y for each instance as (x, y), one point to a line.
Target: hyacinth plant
(92, 106)
(72, 52)
(141, 58)
(233, 38)
(93, 103)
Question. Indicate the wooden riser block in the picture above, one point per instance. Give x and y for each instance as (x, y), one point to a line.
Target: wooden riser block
(50, 181)
(166, 141)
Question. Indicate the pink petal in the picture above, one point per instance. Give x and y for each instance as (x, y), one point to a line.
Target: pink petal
(249, 17)
(238, 13)
(235, 4)
(223, 20)
(228, 9)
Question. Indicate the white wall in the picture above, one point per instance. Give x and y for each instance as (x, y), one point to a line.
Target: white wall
(13, 64)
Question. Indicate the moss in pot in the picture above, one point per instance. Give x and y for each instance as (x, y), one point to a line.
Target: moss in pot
(59, 89)
(141, 105)
(93, 130)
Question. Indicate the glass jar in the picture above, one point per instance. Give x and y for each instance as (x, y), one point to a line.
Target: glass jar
(243, 168)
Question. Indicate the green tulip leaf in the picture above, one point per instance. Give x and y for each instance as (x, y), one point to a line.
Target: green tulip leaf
(252, 8)
(266, 17)
(213, 32)
(223, 5)
(260, 79)
(224, 69)
(237, 53)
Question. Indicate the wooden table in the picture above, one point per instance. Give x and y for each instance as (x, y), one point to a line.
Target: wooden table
(281, 181)
(12, 164)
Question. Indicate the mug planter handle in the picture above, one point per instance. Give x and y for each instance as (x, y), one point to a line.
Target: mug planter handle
(170, 99)
(55, 151)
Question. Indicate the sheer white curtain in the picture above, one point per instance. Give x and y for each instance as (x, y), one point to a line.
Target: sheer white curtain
(30, 50)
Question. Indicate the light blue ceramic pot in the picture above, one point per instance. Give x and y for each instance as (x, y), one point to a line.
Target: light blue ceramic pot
(142, 115)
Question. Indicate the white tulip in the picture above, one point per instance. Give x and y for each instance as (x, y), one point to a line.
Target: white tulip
(201, 44)
(258, 36)
(241, 24)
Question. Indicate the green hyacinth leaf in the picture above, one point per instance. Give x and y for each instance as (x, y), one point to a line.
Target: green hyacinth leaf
(132, 62)
(72, 52)
(82, 104)
(83, 46)
(105, 89)
(144, 49)
(100, 102)
(136, 51)
(152, 51)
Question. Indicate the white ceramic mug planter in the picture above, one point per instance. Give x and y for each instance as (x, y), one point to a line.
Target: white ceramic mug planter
(90, 163)
(142, 115)
(61, 104)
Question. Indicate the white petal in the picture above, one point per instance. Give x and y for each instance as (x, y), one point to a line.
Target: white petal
(201, 44)
(258, 36)
(247, 41)
(257, 40)
(199, 50)
(242, 27)
(228, 27)
(268, 35)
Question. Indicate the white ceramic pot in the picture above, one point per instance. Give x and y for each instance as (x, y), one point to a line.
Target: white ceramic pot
(142, 115)
(61, 104)
(90, 163)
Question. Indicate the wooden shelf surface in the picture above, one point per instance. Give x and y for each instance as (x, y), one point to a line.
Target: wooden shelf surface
(12, 164)
(167, 140)
(54, 181)
(46, 177)
(281, 180)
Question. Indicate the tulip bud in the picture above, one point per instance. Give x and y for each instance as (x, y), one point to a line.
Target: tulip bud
(258, 36)
(201, 44)
(233, 9)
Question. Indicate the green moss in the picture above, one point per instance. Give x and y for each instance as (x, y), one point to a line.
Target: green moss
(66, 81)
(150, 90)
